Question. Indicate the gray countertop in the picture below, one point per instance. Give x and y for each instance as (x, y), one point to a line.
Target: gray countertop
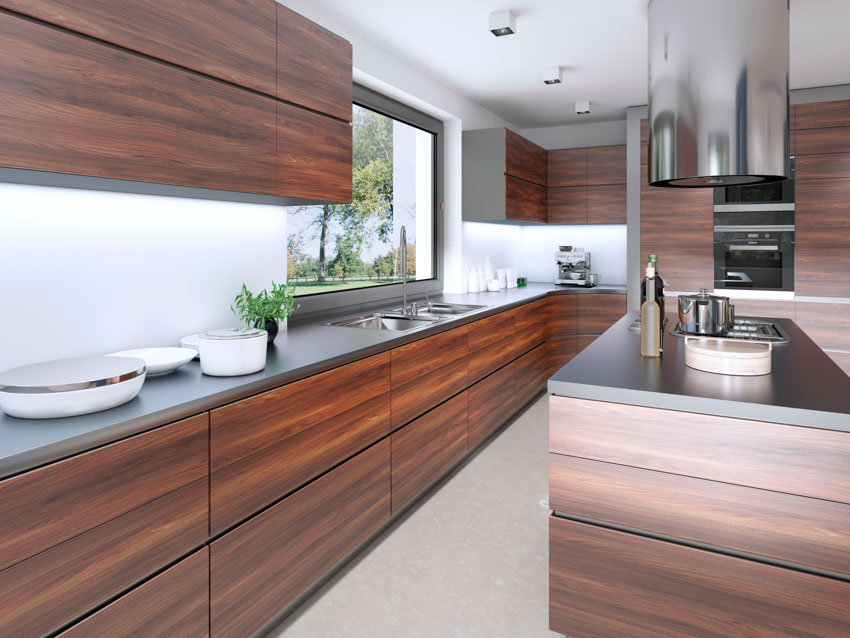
(302, 350)
(804, 388)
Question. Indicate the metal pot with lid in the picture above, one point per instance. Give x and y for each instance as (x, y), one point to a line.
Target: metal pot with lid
(705, 314)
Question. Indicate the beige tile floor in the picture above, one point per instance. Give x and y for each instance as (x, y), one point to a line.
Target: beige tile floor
(470, 560)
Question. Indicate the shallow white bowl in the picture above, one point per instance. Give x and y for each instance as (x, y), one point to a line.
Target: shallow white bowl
(191, 341)
(71, 403)
(159, 361)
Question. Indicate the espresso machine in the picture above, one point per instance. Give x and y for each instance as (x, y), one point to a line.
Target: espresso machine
(573, 266)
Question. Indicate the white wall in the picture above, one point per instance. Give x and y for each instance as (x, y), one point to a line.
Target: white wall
(86, 272)
(578, 135)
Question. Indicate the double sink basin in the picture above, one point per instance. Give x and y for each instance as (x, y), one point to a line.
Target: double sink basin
(424, 316)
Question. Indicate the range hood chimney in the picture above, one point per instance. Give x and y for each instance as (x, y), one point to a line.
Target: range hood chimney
(718, 92)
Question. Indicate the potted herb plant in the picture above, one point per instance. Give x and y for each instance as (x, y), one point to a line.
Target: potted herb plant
(267, 308)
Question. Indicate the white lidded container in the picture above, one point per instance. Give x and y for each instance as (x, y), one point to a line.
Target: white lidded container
(68, 387)
(230, 352)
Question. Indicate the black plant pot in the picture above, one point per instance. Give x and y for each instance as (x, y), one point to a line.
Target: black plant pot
(271, 327)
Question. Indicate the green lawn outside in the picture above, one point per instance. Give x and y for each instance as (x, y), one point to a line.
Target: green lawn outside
(332, 286)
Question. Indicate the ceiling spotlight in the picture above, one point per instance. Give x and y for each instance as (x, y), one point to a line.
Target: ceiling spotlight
(552, 75)
(502, 23)
(583, 107)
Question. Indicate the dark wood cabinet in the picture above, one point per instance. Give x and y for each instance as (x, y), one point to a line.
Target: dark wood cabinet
(606, 204)
(174, 603)
(491, 345)
(563, 310)
(587, 186)
(582, 341)
(821, 166)
(531, 324)
(566, 205)
(823, 140)
(233, 40)
(427, 447)
(531, 373)
(524, 159)
(262, 565)
(597, 313)
(560, 351)
(492, 401)
(822, 114)
(823, 238)
(524, 201)
(567, 167)
(606, 165)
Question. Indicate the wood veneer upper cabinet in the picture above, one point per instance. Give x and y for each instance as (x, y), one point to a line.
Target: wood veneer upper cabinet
(313, 65)
(262, 565)
(823, 140)
(524, 159)
(821, 166)
(606, 204)
(233, 40)
(597, 313)
(524, 201)
(567, 167)
(604, 582)
(566, 205)
(44, 507)
(822, 114)
(73, 105)
(606, 165)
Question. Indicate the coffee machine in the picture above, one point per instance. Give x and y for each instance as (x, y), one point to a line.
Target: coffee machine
(573, 266)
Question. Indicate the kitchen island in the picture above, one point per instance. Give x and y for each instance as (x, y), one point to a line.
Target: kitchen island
(688, 503)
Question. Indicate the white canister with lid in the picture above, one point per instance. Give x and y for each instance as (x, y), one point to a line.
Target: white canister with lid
(230, 352)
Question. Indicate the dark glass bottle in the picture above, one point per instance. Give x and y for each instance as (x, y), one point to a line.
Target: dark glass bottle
(659, 285)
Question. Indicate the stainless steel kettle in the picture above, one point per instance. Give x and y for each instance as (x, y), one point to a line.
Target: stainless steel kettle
(705, 314)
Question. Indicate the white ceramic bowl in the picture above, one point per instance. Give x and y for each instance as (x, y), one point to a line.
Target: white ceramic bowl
(230, 352)
(160, 361)
(190, 341)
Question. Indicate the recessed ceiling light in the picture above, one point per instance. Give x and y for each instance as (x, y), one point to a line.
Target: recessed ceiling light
(502, 23)
(583, 107)
(552, 75)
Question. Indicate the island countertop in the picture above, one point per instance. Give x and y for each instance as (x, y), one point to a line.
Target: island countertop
(804, 388)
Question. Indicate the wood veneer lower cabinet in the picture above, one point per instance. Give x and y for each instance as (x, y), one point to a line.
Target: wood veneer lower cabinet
(262, 565)
(492, 401)
(492, 344)
(610, 584)
(531, 323)
(597, 313)
(560, 351)
(174, 603)
(563, 315)
(532, 371)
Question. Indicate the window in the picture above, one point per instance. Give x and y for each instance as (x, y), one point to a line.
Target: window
(335, 248)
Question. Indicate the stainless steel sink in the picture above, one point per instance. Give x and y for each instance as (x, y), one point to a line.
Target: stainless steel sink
(385, 321)
(439, 308)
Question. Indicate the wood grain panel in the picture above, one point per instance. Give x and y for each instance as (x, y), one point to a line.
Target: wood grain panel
(242, 488)
(566, 205)
(420, 395)
(750, 453)
(597, 313)
(174, 603)
(313, 156)
(484, 332)
(524, 159)
(261, 566)
(825, 323)
(492, 357)
(414, 360)
(72, 105)
(563, 315)
(686, 255)
(823, 261)
(531, 322)
(242, 428)
(48, 590)
(823, 140)
(567, 167)
(609, 584)
(532, 371)
(644, 131)
(821, 166)
(801, 530)
(42, 508)
(606, 204)
(842, 360)
(227, 39)
(822, 203)
(822, 114)
(561, 351)
(307, 52)
(679, 208)
(759, 308)
(606, 165)
(582, 341)
(524, 201)
(492, 401)
(427, 447)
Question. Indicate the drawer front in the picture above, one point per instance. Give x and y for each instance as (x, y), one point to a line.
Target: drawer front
(597, 313)
(175, 603)
(46, 591)
(427, 447)
(492, 357)
(413, 361)
(416, 397)
(42, 508)
(561, 351)
(797, 529)
(531, 323)
(563, 311)
(242, 488)
(822, 166)
(769, 456)
(532, 370)
(485, 332)
(492, 401)
(825, 323)
(261, 566)
(247, 426)
(610, 584)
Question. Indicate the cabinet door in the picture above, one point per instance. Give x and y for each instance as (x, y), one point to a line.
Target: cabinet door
(175, 603)
(821, 166)
(427, 447)
(531, 323)
(609, 583)
(567, 167)
(233, 40)
(73, 105)
(606, 165)
(491, 402)
(823, 238)
(563, 311)
(524, 201)
(823, 140)
(532, 371)
(561, 351)
(313, 65)
(597, 313)
(524, 159)
(822, 114)
(567, 205)
(606, 204)
(262, 565)
(492, 344)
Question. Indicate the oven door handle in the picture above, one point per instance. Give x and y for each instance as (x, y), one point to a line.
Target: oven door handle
(753, 248)
(743, 278)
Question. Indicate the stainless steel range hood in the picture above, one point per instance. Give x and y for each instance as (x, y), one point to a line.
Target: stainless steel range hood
(718, 92)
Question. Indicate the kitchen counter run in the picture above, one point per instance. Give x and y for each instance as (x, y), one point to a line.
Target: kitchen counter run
(805, 387)
(302, 350)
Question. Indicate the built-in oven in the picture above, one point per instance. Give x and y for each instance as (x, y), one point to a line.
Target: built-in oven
(772, 195)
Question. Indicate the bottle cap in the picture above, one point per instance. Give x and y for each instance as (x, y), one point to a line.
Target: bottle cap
(653, 258)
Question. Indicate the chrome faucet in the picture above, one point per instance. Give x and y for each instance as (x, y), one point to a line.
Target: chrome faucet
(403, 254)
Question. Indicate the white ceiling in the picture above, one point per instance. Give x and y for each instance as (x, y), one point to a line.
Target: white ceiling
(600, 45)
